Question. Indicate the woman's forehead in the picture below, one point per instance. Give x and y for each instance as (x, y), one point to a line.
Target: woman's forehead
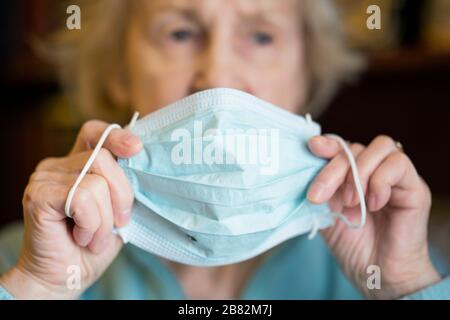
(204, 9)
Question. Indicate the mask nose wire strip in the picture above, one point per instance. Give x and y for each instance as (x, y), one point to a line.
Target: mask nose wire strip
(91, 160)
(359, 191)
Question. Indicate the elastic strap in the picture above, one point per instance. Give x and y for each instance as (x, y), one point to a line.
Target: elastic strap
(91, 160)
(359, 191)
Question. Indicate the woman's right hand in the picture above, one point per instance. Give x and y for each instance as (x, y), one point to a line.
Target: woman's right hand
(55, 248)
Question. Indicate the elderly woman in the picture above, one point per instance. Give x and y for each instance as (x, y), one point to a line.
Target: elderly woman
(142, 55)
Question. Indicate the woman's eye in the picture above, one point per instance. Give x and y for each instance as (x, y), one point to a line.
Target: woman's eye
(262, 38)
(181, 35)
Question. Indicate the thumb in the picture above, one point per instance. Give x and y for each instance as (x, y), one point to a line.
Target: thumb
(324, 147)
(120, 142)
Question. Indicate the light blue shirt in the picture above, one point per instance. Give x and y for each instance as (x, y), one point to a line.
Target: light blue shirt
(297, 269)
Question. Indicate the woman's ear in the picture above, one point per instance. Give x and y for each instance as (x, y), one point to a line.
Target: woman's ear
(117, 88)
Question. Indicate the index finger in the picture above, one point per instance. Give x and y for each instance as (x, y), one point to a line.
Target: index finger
(324, 147)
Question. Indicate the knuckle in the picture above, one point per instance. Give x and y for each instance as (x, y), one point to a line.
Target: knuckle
(89, 126)
(385, 140)
(37, 176)
(45, 164)
(96, 183)
(81, 209)
(29, 196)
(103, 157)
(400, 158)
(356, 147)
(100, 183)
(34, 192)
(34, 198)
(82, 198)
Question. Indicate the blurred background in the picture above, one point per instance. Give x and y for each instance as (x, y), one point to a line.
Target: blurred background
(404, 92)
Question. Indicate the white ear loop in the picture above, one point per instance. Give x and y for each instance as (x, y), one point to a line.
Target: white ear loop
(359, 191)
(91, 160)
(358, 185)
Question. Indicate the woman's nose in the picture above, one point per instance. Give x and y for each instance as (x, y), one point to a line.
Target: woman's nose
(218, 68)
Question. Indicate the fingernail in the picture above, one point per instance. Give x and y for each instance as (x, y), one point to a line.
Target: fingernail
(130, 140)
(319, 140)
(316, 192)
(348, 194)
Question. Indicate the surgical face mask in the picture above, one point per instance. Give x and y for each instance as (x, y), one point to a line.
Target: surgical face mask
(222, 178)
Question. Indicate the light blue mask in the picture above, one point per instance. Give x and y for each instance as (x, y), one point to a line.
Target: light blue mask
(222, 178)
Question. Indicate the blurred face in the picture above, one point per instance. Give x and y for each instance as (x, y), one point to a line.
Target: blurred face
(177, 47)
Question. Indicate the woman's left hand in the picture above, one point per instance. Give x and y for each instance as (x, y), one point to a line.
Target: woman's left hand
(394, 237)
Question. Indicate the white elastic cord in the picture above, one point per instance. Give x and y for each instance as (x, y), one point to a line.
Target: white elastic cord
(91, 160)
(359, 191)
(308, 118)
(133, 120)
(315, 228)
